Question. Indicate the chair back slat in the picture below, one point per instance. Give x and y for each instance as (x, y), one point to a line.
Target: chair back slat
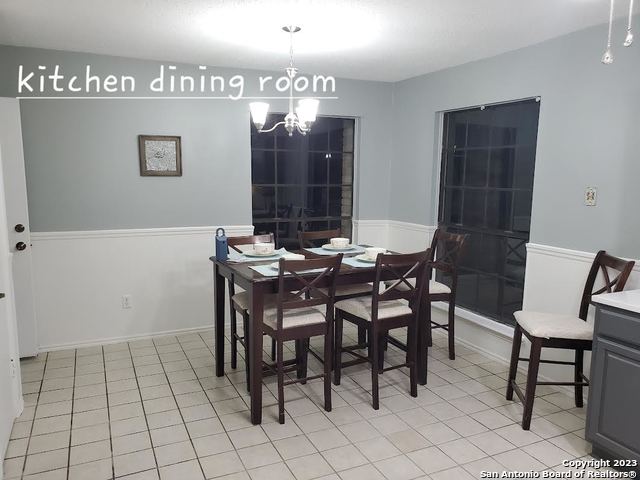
(446, 249)
(236, 242)
(310, 239)
(605, 265)
(393, 272)
(310, 285)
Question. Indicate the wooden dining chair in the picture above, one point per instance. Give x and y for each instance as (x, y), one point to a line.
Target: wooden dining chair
(298, 316)
(240, 301)
(396, 306)
(550, 330)
(343, 292)
(445, 249)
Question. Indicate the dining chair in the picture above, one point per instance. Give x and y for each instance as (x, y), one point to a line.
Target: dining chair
(240, 301)
(551, 330)
(298, 316)
(343, 292)
(396, 306)
(445, 249)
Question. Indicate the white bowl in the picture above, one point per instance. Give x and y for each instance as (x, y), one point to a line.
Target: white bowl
(372, 252)
(264, 248)
(339, 242)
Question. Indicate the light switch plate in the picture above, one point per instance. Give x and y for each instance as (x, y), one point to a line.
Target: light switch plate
(590, 196)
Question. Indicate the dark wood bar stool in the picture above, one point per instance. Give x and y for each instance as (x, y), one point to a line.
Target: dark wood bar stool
(445, 249)
(301, 315)
(397, 306)
(240, 301)
(343, 292)
(549, 330)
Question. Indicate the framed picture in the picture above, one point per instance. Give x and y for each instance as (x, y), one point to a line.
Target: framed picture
(160, 156)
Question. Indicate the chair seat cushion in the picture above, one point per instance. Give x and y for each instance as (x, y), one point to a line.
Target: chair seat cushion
(435, 288)
(294, 318)
(361, 307)
(355, 289)
(241, 300)
(552, 325)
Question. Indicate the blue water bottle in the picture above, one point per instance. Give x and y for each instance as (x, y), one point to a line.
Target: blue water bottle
(221, 245)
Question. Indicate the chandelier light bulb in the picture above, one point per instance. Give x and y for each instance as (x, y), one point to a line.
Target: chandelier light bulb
(607, 58)
(629, 38)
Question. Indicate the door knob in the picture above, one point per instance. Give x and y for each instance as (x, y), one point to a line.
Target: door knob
(21, 246)
(19, 228)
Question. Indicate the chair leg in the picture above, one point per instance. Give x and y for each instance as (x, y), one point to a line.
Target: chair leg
(578, 377)
(412, 355)
(374, 344)
(337, 345)
(328, 344)
(362, 336)
(451, 329)
(273, 349)
(280, 370)
(424, 330)
(383, 346)
(532, 379)
(302, 357)
(234, 334)
(429, 326)
(513, 366)
(247, 361)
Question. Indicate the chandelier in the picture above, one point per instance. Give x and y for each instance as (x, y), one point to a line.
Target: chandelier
(305, 113)
(607, 57)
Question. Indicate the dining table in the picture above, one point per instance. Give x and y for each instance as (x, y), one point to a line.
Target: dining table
(258, 285)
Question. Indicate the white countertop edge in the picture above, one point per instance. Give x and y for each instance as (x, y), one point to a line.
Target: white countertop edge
(627, 300)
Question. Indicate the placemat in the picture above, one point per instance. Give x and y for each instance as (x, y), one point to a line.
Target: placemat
(321, 251)
(237, 257)
(354, 262)
(267, 271)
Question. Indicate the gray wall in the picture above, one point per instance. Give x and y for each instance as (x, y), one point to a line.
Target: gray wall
(82, 160)
(588, 136)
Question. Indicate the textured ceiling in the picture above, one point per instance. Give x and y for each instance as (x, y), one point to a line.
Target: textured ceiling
(385, 40)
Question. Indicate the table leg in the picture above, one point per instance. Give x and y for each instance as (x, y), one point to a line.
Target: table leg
(255, 349)
(219, 281)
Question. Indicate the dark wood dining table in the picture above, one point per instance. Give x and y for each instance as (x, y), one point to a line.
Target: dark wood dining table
(257, 285)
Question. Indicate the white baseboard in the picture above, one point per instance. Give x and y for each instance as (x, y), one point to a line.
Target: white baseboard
(80, 278)
(128, 338)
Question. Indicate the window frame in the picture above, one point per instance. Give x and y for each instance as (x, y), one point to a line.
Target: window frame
(305, 185)
(480, 318)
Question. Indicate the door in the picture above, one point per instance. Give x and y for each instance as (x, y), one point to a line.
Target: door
(18, 223)
(10, 391)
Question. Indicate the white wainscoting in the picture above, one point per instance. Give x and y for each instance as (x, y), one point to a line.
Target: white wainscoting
(80, 278)
(554, 281)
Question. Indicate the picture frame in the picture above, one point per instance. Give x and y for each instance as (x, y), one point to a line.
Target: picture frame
(160, 155)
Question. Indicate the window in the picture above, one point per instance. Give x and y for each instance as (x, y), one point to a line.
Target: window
(302, 182)
(486, 187)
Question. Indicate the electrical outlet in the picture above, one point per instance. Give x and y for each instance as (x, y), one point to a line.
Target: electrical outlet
(126, 301)
(12, 368)
(590, 196)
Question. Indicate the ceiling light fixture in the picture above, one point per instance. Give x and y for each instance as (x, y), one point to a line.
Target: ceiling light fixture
(305, 113)
(607, 57)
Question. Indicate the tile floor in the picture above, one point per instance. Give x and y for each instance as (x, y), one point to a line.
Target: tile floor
(153, 409)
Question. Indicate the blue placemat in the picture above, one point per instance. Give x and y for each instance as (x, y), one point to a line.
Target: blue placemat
(321, 251)
(267, 271)
(354, 262)
(242, 258)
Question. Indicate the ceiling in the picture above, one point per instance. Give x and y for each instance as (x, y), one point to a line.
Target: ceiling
(385, 40)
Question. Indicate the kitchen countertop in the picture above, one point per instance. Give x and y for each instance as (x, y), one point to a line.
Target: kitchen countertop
(626, 300)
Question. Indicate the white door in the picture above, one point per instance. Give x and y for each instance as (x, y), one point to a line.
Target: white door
(18, 223)
(10, 391)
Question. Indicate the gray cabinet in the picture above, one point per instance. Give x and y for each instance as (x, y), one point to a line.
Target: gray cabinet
(613, 414)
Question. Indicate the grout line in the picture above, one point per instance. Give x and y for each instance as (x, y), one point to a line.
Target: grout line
(33, 420)
(184, 424)
(73, 394)
(146, 421)
(106, 394)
